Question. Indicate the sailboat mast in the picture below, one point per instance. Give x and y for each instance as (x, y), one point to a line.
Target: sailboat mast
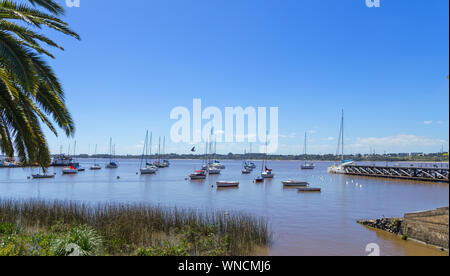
(151, 137)
(342, 141)
(164, 147)
(305, 148)
(110, 149)
(159, 150)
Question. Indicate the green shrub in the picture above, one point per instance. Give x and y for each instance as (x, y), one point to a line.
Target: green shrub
(405, 237)
(79, 241)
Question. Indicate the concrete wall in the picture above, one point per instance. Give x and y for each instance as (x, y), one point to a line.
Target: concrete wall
(431, 227)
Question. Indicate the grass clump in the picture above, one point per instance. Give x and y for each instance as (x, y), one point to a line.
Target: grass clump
(35, 227)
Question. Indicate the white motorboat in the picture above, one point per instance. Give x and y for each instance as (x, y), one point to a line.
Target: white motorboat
(95, 167)
(70, 170)
(198, 175)
(308, 166)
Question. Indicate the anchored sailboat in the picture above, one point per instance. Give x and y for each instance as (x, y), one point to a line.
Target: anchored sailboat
(340, 169)
(111, 164)
(96, 166)
(307, 165)
(267, 173)
(148, 168)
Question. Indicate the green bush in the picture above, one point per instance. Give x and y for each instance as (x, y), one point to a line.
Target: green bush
(79, 241)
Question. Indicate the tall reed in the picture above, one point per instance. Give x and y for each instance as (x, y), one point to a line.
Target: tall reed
(136, 225)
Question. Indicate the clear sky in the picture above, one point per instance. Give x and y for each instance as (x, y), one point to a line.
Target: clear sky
(386, 67)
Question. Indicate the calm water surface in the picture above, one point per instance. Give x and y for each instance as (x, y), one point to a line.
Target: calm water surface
(302, 223)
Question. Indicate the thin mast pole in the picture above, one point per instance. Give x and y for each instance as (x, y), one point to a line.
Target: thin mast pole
(342, 135)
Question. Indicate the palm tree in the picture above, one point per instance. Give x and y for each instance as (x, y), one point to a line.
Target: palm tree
(30, 92)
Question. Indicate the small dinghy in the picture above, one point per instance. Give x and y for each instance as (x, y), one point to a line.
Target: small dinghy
(259, 179)
(294, 183)
(227, 184)
(310, 190)
(96, 167)
(43, 176)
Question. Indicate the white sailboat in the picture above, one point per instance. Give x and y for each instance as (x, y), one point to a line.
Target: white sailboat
(96, 166)
(148, 168)
(307, 165)
(267, 173)
(340, 168)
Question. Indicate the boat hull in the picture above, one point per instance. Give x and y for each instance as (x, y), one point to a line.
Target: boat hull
(310, 190)
(226, 184)
(40, 176)
(295, 184)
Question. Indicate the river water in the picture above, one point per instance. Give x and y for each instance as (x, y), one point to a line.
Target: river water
(303, 223)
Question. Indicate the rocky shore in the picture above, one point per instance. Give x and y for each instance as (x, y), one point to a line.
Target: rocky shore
(391, 225)
(430, 227)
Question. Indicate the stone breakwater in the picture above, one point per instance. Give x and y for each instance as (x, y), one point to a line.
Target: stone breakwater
(391, 225)
(430, 227)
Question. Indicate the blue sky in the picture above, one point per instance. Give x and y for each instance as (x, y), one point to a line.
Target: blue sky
(385, 66)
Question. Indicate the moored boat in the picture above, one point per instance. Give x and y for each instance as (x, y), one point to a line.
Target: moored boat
(212, 170)
(42, 176)
(95, 167)
(340, 169)
(198, 175)
(70, 170)
(149, 168)
(267, 174)
(309, 189)
(307, 165)
(112, 164)
(259, 179)
(227, 184)
(294, 183)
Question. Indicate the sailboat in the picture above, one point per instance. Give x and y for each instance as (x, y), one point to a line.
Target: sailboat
(149, 168)
(267, 173)
(111, 164)
(96, 166)
(246, 169)
(77, 165)
(161, 163)
(212, 169)
(307, 165)
(73, 167)
(340, 169)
